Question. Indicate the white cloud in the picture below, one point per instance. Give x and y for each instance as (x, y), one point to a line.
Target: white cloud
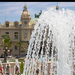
(32, 3)
(18, 12)
(11, 3)
(18, 4)
(32, 12)
(46, 4)
(16, 8)
(66, 4)
(10, 9)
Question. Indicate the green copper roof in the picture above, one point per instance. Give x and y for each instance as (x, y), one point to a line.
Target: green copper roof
(33, 20)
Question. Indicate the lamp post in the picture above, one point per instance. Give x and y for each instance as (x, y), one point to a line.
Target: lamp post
(6, 49)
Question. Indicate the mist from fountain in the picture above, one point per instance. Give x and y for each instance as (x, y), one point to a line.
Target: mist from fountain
(53, 32)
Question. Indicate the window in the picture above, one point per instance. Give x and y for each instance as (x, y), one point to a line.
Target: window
(16, 24)
(25, 35)
(7, 33)
(16, 35)
(15, 47)
(7, 24)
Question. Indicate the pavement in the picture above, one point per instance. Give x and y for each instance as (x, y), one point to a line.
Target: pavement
(2, 59)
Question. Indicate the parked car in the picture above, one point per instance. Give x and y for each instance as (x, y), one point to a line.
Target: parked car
(17, 56)
(9, 56)
(23, 55)
(2, 56)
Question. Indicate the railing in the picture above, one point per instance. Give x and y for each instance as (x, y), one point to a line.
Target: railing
(12, 68)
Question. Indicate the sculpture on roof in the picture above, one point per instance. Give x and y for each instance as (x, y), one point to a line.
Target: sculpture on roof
(57, 7)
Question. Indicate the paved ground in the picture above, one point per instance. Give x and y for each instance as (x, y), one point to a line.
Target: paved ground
(7, 58)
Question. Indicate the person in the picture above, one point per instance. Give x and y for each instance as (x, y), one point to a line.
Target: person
(16, 70)
(24, 60)
(7, 70)
(37, 71)
(1, 70)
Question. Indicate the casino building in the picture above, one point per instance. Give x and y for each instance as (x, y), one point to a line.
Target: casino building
(18, 31)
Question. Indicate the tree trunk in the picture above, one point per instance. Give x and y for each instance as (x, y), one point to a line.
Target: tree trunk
(19, 52)
(5, 56)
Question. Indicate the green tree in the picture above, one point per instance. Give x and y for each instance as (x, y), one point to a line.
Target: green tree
(6, 42)
(23, 50)
(21, 68)
(19, 44)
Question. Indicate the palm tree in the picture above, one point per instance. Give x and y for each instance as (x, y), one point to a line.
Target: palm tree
(6, 42)
(19, 44)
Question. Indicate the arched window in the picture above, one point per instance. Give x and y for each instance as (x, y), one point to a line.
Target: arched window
(16, 23)
(15, 35)
(7, 23)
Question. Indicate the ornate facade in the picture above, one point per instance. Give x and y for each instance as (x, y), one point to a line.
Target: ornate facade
(18, 31)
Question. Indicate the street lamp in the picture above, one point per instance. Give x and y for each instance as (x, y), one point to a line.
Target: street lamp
(8, 50)
(5, 49)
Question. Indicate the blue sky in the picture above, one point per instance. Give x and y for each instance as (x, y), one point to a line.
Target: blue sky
(13, 10)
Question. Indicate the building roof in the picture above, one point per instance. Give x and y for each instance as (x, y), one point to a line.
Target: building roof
(12, 23)
(25, 14)
(32, 21)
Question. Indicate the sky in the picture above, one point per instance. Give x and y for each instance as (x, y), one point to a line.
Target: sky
(12, 11)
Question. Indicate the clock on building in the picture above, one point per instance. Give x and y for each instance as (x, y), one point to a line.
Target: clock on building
(25, 22)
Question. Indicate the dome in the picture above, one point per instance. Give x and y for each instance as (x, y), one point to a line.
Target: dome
(33, 20)
(25, 14)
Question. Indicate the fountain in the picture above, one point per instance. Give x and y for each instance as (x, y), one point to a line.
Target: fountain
(53, 36)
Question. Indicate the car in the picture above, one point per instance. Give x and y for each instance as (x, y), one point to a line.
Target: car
(24, 55)
(2, 56)
(17, 56)
(9, 56)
